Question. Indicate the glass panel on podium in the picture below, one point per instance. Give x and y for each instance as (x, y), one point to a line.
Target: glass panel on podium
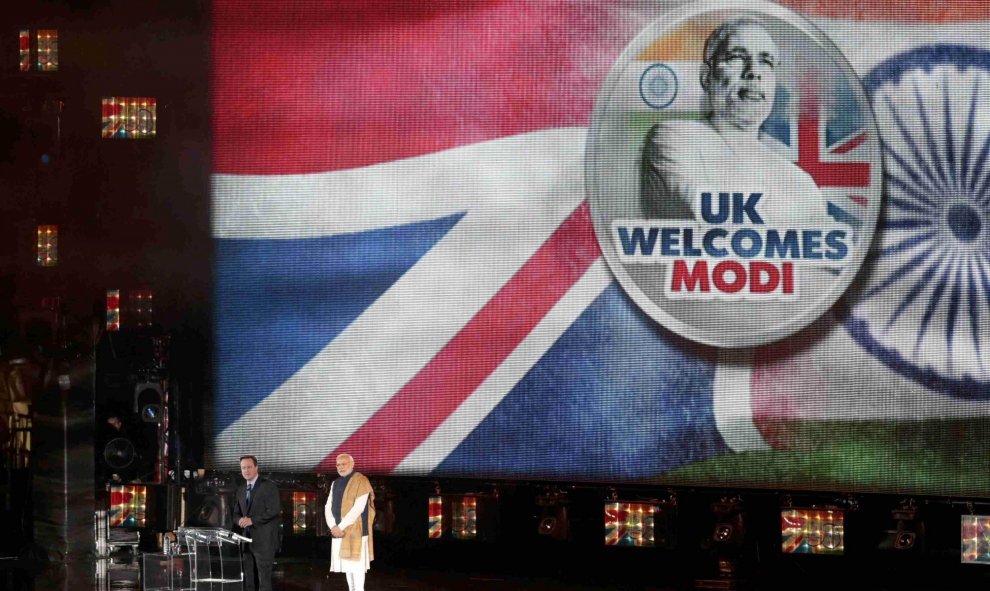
(168, 572)
(215, 553)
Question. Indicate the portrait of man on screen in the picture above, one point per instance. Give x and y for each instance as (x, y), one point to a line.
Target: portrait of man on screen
(726, 150)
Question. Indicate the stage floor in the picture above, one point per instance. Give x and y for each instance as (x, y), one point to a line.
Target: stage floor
(308, 574)
(293, 575)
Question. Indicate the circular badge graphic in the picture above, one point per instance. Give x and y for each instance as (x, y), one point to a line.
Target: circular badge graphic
(924, 306)
(741, 210)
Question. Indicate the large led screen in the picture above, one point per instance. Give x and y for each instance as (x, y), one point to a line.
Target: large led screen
(718, 243)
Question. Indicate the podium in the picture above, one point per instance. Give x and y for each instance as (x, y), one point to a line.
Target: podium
(214, 556)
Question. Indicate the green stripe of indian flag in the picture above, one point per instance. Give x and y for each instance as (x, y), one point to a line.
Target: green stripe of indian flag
(946, 456)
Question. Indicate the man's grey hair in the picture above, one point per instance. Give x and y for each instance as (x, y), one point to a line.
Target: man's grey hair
(716, 42)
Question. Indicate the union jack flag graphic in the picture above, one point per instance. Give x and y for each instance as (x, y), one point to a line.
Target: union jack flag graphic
(406, 268)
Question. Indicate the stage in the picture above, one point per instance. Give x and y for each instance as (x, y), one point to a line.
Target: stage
(295, 574)
(311, 574)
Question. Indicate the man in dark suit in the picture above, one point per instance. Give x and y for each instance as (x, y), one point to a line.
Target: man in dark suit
(257, 512)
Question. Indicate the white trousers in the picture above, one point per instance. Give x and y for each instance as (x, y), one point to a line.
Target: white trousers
(355, 581)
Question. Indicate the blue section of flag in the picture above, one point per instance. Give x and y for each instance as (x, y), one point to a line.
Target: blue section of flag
(846, 117)
(616, 397)
(778, 124)
(842, 216)
(279, 302)
(845, 121)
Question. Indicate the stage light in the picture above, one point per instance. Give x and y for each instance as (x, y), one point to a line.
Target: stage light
(464, 518)
(547, 526)
(113, 312)
(151, 413)
(975, 542)
(553, 521)
(812, 531)
(146, 394)
(140, 308)
(303, 512)
(47, 250)
(727, 543)
(730, 522)
(723, 532)
(908, 528)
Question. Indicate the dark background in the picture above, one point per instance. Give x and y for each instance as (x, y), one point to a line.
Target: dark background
(135, 214)
(132, 214)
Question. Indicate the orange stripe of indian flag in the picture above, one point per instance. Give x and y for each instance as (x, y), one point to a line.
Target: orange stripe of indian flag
(686, 42)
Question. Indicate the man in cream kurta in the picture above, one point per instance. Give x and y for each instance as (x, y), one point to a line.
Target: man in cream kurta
(725, 152)
(350, 513)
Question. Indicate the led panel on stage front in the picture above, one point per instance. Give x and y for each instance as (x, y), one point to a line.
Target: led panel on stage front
(812, 531)
(630, 524)
(975, 539)
(578, 241)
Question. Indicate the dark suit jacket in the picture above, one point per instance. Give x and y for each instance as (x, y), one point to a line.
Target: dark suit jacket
(266, 514)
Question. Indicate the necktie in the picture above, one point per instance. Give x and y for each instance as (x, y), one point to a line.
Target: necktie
(249, 493)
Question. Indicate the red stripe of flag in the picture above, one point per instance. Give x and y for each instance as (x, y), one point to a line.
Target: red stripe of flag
(410, 416)
(320, 85)
(825, 174)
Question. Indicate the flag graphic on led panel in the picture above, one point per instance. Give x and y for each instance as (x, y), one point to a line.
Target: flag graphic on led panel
(130, 117)
(113, 310)
(128, 505)
(47, 249)
(975, 540)
(812, 531)
(46, 48)
(24, 50)
(406, 269)
(630, 524)
(435, 517)
(464, 518)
